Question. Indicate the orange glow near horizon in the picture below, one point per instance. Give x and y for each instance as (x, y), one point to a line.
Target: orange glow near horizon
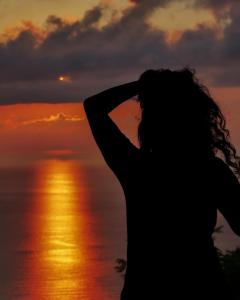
(30, 132)
(62, 130)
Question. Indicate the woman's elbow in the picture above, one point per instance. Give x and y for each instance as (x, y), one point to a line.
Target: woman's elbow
(91, 107)
(87, 105)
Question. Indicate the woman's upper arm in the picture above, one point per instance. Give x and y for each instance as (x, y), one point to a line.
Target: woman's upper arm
(115, 147)
(229, 196)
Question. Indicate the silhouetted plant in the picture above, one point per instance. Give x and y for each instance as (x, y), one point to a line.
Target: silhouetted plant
(230, 261)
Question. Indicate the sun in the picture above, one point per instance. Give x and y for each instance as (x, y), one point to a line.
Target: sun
(61, 78)
(64, 78)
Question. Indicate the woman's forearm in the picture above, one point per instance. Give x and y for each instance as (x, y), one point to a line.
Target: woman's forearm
(107, 100)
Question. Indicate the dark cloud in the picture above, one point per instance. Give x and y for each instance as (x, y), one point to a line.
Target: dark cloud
(97, 58)
(144, 7)
(219, 8)
(92, 16)
(215, 3)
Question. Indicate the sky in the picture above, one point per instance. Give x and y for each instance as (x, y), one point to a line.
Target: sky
(53, 54)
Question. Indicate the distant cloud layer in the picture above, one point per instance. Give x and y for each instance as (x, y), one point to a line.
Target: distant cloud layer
(60, 117)
(95, 58)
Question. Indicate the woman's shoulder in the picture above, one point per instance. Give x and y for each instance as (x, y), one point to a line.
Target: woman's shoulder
(223, 171)
(220, 164)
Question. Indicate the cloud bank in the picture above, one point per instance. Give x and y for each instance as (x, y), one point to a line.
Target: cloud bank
(97, 57)
(59, 117)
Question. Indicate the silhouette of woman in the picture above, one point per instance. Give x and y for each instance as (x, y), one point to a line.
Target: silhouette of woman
(173, 184)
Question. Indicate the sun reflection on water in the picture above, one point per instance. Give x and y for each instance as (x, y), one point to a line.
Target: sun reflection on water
(61, 267)
(61, 222)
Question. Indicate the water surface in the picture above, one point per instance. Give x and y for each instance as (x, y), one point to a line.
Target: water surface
(62, 225)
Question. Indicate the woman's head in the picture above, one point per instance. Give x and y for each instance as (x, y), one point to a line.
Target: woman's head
(178, 114)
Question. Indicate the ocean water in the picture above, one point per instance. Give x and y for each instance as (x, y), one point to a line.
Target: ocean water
(62, 226)
(61, 230)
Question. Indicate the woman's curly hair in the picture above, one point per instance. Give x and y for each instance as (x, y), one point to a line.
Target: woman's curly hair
(180, 93)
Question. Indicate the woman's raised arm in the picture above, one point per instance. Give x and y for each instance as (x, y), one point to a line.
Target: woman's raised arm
(115, 147)
(104, 102)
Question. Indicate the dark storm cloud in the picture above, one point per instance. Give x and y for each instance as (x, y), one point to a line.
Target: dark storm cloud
(215, 4)
(219, 8)
(97, 58)
(219, 57)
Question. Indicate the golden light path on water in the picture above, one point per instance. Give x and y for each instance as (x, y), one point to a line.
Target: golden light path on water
(62, 266)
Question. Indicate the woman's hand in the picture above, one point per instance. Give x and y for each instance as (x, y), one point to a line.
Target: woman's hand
(105, 101)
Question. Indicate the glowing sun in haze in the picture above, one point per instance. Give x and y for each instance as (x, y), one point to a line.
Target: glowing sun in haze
(63, 78)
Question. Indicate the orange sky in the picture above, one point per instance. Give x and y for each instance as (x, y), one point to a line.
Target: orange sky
(178, 16)
(30, 132)
(37, 131)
